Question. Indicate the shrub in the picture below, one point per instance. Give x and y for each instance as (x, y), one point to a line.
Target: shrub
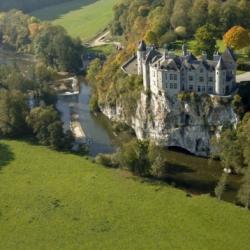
(107, 160)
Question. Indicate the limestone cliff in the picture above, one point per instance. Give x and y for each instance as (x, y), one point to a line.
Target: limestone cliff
(187, 122)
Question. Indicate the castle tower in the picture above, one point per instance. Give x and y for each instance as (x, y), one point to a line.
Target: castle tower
(184, 50)
(220, 77)
(141, 54)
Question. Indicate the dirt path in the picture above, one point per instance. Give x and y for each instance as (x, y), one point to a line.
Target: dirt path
(104, 39)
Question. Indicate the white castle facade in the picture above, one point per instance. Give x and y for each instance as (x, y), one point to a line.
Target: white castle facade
(165, 72)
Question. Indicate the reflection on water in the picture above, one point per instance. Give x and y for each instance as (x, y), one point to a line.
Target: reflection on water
(95, 127)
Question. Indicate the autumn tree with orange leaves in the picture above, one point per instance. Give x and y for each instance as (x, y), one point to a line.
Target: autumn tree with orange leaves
(236, 38)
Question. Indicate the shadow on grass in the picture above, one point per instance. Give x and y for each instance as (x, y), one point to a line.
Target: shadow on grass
(6, 155)
(63, 8)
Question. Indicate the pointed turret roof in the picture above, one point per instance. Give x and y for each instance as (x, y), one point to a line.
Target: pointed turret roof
(228, 55)
(221, 65)
(142, 46)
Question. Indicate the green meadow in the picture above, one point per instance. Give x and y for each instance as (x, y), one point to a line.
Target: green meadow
(52, 200)
(81, 18)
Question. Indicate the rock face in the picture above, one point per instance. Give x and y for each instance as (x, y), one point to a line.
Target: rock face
(188, 124)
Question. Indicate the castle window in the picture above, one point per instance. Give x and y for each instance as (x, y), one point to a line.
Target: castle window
(199, 88)
(201, 70)
(191, 87)
(190, 78)
(175, 77)
(171, 85)
(210, 89)
(201, 79)
(203, 89)
(211, 79)
(175, 85)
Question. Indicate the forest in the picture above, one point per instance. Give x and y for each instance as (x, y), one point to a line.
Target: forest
(163, 21)
(27, 5)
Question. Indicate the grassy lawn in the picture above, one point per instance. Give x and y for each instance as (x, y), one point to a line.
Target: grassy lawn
(83, 18)
(107, 49)
(53, 200)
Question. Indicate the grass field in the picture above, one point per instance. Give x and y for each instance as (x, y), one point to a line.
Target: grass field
(53, 200)
(83, 18)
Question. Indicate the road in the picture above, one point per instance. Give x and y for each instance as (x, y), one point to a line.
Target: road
(245, 77)
(103, 39)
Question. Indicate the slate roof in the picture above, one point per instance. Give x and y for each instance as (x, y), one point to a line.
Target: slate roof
(221, 65)
(188, 62)
(228, 55)
(142, 46)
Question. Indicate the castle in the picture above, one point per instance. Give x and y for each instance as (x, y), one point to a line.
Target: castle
(165, 72)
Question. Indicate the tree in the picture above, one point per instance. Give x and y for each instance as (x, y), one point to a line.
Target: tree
(180, 16)
(236, 38)
(205, 39)
(134, 156)
(41, 120)
(94, 68)
(13, 111)
(158, 167)
(47, 127)
(244, 192)
(56, 135)
(221, 186)
(57, 49)
(230, 150)
(14, 27)
(199, 13)
(151, 37)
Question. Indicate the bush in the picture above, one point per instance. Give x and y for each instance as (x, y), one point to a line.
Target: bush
(93, 103)
(107, 160)
(83, 149)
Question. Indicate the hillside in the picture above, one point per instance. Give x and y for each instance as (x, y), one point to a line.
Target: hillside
(83, 18)
(27, 5)
(54, 200)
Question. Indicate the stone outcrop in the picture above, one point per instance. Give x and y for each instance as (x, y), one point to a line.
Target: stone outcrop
(188, 123)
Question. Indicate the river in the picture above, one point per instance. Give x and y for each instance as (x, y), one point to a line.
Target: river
(99, 137)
